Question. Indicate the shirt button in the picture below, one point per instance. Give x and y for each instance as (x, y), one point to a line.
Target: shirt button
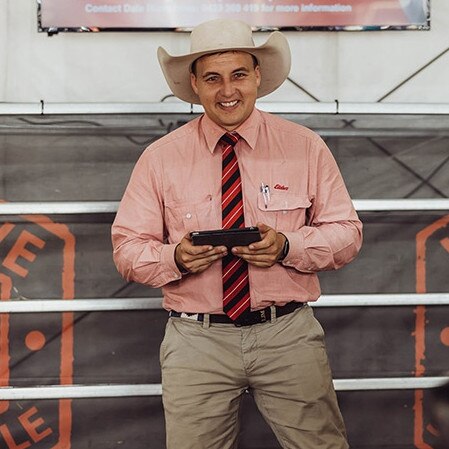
(189, 215)
(284, 212)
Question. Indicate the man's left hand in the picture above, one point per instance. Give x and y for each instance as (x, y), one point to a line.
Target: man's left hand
(264, 253)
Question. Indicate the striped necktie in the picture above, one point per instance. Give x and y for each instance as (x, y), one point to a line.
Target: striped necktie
(236, 300)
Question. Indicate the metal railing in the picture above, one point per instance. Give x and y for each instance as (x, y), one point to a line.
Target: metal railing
(127, 390)
(177, 107)
(108, 207)
(118, 304)
(131, 390)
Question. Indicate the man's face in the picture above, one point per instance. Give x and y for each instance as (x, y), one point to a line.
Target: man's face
(226, 84)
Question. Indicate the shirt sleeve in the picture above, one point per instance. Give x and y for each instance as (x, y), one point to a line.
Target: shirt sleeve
(332, 236)
(139, 249)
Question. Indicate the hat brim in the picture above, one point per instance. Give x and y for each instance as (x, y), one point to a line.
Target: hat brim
(273, 57)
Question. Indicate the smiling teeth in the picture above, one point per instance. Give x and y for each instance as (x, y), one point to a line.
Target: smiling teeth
(229, 104)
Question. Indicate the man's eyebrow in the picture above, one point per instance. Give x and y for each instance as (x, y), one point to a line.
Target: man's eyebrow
(239, 69)
(205, 75)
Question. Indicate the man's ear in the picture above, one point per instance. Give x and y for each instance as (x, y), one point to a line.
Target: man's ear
(193, 83)
(258, 75)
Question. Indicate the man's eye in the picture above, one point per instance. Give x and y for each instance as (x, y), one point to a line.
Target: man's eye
(211, 79)
(240, 75)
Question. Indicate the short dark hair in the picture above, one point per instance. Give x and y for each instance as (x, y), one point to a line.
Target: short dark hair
(193, 66)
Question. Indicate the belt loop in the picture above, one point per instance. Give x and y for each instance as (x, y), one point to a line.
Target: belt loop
(273, 314)
(206, 321)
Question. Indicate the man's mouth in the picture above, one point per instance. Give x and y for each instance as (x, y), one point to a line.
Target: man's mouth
(228, 104)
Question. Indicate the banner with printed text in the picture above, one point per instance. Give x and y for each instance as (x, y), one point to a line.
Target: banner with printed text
(95, 15)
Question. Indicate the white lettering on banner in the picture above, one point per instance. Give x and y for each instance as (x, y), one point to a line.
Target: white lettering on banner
(267, 8)
(89, 8)
(133, 8)
(287, 8)
(337, 7)
(214, 8)
(251, 7)
(233, 7)
(159, 8)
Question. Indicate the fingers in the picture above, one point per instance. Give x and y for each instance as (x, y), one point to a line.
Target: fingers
(264, 253)
(260, 259)
(196, 259)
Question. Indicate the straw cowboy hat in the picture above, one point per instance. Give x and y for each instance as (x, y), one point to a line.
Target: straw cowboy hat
(222, 35)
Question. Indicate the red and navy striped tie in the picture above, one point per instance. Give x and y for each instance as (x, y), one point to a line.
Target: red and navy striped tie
(236, 300)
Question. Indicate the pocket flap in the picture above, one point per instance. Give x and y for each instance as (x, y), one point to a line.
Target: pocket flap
(283, 201)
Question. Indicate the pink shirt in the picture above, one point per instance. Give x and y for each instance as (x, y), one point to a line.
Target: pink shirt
(175, 188)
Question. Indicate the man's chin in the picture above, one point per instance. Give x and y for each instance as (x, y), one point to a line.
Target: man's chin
(228, 121)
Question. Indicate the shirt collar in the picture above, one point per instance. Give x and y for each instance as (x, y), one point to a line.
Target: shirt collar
(248, 130)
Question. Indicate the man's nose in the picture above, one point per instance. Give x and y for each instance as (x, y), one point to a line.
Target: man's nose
(227, 88)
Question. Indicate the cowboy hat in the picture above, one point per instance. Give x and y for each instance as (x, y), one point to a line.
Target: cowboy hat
(220, 35)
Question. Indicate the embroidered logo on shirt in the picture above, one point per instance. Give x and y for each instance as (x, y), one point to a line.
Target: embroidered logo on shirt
(280, 187)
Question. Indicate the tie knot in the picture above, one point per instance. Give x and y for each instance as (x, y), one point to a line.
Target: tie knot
(230, 138)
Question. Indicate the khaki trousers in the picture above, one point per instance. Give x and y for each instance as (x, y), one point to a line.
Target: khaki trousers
(283, 363)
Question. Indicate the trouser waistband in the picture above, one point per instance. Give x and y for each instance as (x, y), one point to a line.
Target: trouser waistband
(254, 317)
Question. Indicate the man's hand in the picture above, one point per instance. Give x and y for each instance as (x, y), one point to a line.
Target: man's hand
(264, 253)
(196, 259)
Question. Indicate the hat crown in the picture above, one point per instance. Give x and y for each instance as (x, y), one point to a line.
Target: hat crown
(221, 33)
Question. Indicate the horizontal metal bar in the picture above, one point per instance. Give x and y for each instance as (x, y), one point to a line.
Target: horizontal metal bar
(79, 305)
(42, 129)
(20, 108)
(79, 391)
(132, 390)
(148, 133)
(170, 107)
(119, 108)
(399, 383)
(394, 108)
(383, 300)
(379, 205)
(382, 132)
(101, 207)
(58, 207)
(120, 304)
(297, 108)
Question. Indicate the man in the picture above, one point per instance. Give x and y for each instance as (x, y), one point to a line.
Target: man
(239, 319)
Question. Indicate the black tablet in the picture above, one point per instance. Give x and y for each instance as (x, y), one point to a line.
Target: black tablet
(226, 237)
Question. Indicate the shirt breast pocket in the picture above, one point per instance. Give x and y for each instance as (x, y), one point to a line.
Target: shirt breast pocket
(182, 217)
(283, 211)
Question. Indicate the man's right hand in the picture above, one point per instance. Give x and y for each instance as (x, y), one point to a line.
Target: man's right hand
(196, 259)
